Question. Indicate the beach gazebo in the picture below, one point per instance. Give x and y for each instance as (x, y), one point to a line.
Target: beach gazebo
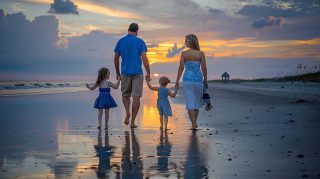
(225, 77)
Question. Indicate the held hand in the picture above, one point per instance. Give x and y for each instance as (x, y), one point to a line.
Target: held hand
(87, 85)
(177, 85)
(148, 77)
(118, 77)
(205, 85)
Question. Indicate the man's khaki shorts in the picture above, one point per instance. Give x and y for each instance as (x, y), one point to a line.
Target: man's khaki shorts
(131, 85)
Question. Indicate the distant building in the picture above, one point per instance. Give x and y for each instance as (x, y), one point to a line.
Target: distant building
(225, 77)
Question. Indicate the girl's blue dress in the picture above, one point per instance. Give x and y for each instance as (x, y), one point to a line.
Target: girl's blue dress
(163, 104)
(104, 100)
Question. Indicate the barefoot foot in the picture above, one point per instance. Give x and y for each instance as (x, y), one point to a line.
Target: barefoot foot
(126, 120)
(133, 126)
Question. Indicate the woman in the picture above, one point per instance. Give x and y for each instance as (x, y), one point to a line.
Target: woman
(194, 79)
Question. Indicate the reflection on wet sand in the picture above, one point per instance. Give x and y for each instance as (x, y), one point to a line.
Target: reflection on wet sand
(195, 164)
(105, 152)
(70, 146)
(163, 167)
(132, 166)
(163, 152)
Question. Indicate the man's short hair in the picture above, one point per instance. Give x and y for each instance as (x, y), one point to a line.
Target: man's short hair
(133, 27)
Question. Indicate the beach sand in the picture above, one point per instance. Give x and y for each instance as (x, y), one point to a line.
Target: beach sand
(256, 130)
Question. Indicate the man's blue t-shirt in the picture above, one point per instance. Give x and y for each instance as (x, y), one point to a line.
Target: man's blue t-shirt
(130, 48)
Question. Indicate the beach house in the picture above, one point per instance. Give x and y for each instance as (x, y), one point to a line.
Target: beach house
(225, 77)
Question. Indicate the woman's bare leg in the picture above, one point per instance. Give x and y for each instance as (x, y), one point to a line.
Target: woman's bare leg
(192, 116)
(197, 114)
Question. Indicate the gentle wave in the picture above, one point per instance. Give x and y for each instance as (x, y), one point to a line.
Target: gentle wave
(18, 88)
(20, 92)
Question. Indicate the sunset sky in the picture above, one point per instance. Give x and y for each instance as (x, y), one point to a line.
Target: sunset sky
(246, 38)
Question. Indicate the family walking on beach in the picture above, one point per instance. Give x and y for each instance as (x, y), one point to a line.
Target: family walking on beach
(132, 51)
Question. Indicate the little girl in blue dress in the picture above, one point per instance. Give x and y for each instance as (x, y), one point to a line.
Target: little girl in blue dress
(104, 100)
(163, 104)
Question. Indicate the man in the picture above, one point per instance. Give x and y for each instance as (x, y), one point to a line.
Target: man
(133, 53)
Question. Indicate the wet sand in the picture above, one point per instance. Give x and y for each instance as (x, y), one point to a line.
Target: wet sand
(255, 131)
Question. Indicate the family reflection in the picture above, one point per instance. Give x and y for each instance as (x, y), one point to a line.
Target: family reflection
(195, 164)
(163, 152)
(104, 153)
(132, 165)
(163, 167)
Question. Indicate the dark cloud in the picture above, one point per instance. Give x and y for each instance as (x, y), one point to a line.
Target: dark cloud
(215, 11)
(305, 7)
(306, 28)
(63, 7)
(271, 21)
(301, 20)
(265, 11)
(297, 8)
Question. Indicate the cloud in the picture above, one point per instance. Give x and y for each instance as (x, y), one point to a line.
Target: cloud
(174, 51)
(252, 11)
(63, 7)
(215, 11)
(29, 48)
(283, 8)
(19, 34)
(271, 21)
(152, 45)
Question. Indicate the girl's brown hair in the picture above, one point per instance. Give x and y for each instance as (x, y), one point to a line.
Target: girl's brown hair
(164, 80)
(193, 42)
(102, 74)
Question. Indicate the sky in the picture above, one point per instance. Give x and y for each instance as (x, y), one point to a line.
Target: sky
(47, 40)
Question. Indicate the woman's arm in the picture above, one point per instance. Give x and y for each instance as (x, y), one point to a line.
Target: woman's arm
(180, 69)
(151, 87)
(91, 87)
(114, 86)
(204, 68)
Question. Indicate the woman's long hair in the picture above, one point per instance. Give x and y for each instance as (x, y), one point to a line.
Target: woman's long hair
(193, 42)
(102, 74)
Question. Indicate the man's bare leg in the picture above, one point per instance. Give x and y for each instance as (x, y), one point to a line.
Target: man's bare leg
(126, 102)
(135, 109)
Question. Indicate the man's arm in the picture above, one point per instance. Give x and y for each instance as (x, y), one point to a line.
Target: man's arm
(146, 64)
(116, 64)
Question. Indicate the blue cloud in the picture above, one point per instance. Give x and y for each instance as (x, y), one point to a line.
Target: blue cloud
(271, 21)
(266, 11)
(215, 11)
(63, 7)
